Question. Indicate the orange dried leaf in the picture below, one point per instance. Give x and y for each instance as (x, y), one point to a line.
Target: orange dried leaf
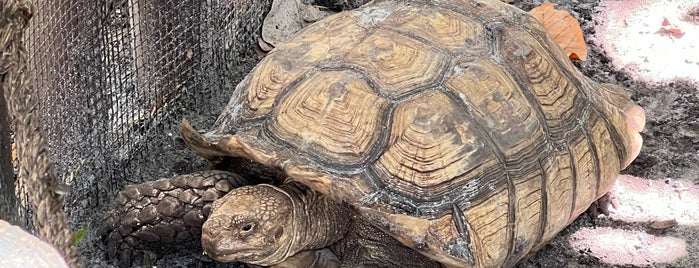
(665, 22)
(669, 29)
(564, 29)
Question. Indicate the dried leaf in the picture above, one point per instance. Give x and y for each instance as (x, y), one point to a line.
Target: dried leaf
(665, 22)
(669, 29)
(564, 29)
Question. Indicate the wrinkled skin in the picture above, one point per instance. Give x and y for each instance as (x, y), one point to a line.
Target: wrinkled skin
(269, 225)
(251, 224)
(265, 224)
(285, 226)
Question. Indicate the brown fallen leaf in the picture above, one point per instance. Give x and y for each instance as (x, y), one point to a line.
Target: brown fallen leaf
(564, 29)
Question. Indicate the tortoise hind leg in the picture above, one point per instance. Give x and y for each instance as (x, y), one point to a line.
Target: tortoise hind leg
(163, 212)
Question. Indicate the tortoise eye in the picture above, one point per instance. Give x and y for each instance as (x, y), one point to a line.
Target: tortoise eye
(247, 228)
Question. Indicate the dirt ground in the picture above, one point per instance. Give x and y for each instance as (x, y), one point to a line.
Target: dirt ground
(669, 156)
(670, 152)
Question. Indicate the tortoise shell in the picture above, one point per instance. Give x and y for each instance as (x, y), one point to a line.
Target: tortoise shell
(457, 126)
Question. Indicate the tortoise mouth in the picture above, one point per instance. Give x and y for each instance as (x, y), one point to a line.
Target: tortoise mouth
(224, 253)
(237, 255)
(225, 250)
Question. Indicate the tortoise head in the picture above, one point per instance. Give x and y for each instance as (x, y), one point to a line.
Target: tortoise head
(252, 224)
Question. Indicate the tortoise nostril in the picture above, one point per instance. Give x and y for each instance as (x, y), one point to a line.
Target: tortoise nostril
(211, 228)
(211, 232)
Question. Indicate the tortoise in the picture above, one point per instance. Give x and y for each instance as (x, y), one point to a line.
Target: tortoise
(172, 211)
(458, 127)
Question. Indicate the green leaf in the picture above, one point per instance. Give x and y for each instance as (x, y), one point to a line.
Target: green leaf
(79, 235)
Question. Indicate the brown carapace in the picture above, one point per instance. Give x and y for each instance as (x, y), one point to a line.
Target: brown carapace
(458, 127)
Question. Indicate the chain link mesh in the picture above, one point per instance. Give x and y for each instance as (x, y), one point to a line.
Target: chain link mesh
(114, 78)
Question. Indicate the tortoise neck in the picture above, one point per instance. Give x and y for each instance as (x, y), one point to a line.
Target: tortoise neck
(320, 221)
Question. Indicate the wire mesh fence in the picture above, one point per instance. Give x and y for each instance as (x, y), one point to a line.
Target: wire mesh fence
(114, 79)
(111, 73)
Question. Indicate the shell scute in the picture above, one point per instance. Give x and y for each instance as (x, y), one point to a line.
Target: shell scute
(494, 96)
(601, 140)
(430, 143)
(485, 10)
(489, 223)
(328, 40)
(551, 87)
(441, 28)
(397, 64)
(585, 173)
(266, 84)
(293, 59)
(332, 114)
(560, 192)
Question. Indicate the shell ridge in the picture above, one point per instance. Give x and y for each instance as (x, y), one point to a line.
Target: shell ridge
(616, 136)
(587, 94)
(584, 89)
(420, 39)
(574, 179)
(500, 155)
(489, 27)
(457, 247)
(543, 215)
(595, 157)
